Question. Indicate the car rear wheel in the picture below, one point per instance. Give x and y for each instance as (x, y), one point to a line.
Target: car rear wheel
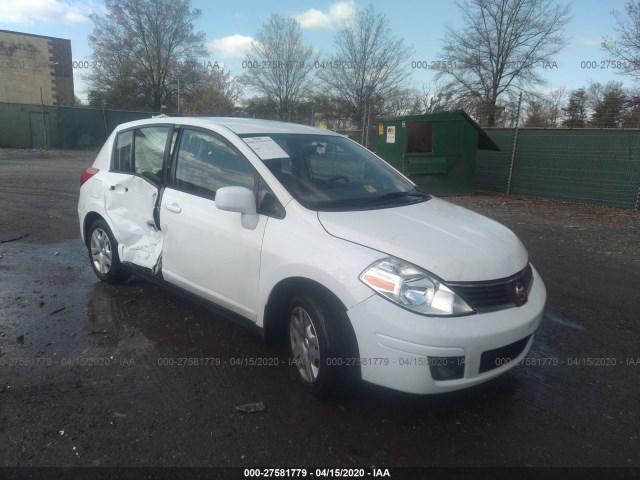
(103, 254)
(320, 349)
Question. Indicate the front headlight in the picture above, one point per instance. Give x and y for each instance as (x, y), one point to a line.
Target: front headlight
(413, 288)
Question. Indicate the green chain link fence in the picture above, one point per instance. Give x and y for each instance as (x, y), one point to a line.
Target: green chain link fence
(600, 167)
(38, 126)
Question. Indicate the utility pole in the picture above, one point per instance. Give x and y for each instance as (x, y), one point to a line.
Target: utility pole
(104, 118)
(44, 123)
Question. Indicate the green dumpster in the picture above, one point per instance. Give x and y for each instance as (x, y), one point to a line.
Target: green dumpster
(436, 151)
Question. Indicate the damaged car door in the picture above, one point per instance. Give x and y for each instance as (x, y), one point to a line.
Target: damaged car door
(131, 197)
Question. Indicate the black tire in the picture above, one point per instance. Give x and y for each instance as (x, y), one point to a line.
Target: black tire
(321, 344)
(103, 254)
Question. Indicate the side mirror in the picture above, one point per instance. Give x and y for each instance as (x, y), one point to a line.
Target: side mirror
(238, 199)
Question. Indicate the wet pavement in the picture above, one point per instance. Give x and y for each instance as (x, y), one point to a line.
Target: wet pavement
(99, 375)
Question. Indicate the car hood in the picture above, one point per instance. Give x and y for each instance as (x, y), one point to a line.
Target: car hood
(449, 241)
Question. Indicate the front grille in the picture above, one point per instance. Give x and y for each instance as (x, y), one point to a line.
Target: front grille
(496, 294)
(501, 356)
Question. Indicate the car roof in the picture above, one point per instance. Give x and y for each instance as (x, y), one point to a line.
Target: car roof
(239, 126)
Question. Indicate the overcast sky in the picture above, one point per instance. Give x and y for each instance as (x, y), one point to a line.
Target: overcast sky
(231, 25)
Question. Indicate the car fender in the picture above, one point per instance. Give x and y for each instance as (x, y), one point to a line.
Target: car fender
(311, 254)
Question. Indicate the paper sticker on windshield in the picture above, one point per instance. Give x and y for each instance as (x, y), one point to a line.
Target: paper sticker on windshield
(370, 188)
(265, 147)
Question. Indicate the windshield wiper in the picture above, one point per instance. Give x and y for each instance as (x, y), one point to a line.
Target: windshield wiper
(394, 195)
(335, 204)
(360, 203)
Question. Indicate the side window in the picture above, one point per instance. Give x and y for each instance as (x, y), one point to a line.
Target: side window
(206, 163)
(141, 151)
(149, 147)
(268, 204)
(123, 158)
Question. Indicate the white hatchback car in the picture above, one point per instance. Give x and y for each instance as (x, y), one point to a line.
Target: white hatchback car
(311, 237)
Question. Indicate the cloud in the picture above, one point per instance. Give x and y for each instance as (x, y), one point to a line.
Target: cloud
(590, 41)
(338, 12)
(342, 11)
(233, 46)
(313, 19)
(28, 12)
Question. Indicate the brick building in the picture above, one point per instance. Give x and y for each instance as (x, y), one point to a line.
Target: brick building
(29, 63)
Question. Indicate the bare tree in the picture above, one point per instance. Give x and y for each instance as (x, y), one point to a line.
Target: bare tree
(183, 80)
(401, 102)
(259, 107)
(539, 113)
(138, 44)
(369, 66)
(556, 100)
(626, 48)
(500, 48)
(330, 110)
(544, 109)
(217, 94)
(435, 97)
(505, 110)
(279, 65)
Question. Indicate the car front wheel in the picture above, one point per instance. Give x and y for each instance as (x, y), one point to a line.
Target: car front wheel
(320, 349)
(103, 254)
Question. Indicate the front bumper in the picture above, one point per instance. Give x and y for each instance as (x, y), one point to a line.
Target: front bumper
(398, 348)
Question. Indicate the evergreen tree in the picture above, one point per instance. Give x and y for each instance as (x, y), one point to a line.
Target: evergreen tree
(576, 109)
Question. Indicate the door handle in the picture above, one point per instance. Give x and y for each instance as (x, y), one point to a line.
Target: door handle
(173, 207)
(118, 187)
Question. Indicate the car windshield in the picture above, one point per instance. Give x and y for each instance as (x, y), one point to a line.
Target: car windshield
(329, 173)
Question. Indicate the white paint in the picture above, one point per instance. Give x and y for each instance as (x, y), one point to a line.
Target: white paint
(227, 259)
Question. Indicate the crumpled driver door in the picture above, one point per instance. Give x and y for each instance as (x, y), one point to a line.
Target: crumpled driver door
(132, 194)
(130, 202)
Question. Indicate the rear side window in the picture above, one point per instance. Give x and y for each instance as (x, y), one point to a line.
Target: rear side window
(206, 163)
(149, 149)
(141, 150)
(123, 158)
